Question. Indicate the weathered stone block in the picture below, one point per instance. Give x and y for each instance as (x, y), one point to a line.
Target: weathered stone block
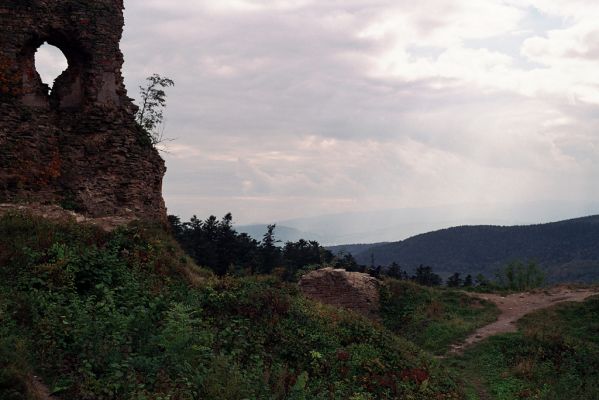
(337, 287)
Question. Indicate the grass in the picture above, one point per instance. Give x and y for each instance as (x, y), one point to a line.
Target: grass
(126, 315)
(430, 317)
(554, 355)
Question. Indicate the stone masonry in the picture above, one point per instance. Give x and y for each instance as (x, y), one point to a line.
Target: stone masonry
(337, 287)
(77, 145)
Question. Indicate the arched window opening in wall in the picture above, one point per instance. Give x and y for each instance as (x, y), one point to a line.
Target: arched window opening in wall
(50, 63)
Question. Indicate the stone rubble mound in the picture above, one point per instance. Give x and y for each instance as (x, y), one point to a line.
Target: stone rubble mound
(337, 287)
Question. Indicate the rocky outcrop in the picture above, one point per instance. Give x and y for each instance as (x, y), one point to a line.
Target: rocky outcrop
(77, 145)
(337, 287)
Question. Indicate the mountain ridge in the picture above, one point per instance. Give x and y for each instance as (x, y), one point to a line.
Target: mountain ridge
(566, 250)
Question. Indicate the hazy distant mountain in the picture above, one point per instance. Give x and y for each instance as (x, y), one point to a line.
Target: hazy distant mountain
(282, 233)
(398, 224)
(568, 250)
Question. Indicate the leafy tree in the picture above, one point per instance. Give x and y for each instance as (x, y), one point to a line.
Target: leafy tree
(454, 280)
(426, 277)
(395, 271)
(482, 281)
(519, 276)
(150, 116)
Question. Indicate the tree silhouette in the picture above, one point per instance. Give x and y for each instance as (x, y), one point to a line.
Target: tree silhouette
(426, 277)
(454, 280)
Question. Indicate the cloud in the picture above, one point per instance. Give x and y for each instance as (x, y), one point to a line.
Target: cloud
(299, 107)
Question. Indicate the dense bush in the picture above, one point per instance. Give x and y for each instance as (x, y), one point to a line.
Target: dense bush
(126, 315)
(517, 276)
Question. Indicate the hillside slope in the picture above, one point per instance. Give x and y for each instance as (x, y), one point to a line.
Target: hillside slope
(353, 248)
(553, 356)
(126, 315)
(567, 250)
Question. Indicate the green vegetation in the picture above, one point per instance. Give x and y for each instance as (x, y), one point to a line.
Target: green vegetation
(217, 246)
(126, 315)
(517, 276)
(432, 318)
(150, 116)
(554, 356)
(426, 277)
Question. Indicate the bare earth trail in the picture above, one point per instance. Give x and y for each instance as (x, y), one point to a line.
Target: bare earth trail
(38, 390)
(515, 306)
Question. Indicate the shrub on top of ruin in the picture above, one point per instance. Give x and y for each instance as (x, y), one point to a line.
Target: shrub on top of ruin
(150, 116)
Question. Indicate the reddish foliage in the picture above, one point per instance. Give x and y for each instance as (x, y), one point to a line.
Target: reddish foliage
(344, 371)
(342, 355)
(525, 394)
(386, 381)
(417, 375)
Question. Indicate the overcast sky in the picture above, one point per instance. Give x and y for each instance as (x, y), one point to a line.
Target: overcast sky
(291, 108)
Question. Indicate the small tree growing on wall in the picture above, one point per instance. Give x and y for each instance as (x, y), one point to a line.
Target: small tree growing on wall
(150, 115)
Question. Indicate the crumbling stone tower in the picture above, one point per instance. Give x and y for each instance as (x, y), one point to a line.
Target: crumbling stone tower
(77, 145)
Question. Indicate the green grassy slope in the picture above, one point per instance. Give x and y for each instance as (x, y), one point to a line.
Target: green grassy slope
(126, 315)
(554, 356)
(432, 318)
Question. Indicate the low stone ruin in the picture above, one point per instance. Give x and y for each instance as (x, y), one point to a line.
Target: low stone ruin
(337, 287)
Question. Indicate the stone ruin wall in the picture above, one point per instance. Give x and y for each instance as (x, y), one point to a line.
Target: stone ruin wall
(352, 290)
(77, 145)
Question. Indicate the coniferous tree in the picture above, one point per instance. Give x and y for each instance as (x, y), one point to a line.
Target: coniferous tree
(271, 254)
(347, 262)
(300, 254)
(395, 271)
(468, 281)
(216, 245)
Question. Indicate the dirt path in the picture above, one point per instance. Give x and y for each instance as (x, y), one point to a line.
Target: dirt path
(515, 306)
(38, 390)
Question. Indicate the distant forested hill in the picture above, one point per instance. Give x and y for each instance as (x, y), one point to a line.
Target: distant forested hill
(567, 251)
(354, 248)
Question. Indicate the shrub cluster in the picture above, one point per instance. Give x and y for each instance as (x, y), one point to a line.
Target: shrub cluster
(126, 315)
